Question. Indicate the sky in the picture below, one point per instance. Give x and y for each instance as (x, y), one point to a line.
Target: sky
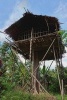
(12, 10)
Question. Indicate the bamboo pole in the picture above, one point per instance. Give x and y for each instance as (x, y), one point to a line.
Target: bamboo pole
(31, 44)
(57, 68)
(62, 91)
(31, 57)
(48, 49)
(60, 64)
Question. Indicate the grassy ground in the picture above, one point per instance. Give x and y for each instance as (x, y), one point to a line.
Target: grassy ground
(19, 95)
(59, 97)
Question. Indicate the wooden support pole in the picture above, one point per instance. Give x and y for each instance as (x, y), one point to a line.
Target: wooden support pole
(35, 73)
(62, 90)
(35, 62)
(60, 65)
(44, 68)
(57, 68)
(31, 45)
(61, 79)
(48, 49)
(41, 85)
(62, 85)
(31, 54)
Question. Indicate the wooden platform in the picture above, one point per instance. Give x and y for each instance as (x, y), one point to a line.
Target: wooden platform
(41, 44)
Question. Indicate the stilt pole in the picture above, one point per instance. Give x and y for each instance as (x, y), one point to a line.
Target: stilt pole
(31, 55)
(57, 68)
(62, 91)
(35, 62)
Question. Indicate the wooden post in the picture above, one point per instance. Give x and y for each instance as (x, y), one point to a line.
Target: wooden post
(57, 67)
(31, 45)
(34, 64)
(62, 91)
(31, 54)
(44, 75)
(61, 80)
(35, 73)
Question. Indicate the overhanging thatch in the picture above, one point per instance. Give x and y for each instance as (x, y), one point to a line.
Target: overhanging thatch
(38, 22)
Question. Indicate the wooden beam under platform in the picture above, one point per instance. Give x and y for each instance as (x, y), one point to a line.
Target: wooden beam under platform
(40, 44)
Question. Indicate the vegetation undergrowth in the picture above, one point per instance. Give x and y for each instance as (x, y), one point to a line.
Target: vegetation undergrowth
(58, 96)
(19, 95)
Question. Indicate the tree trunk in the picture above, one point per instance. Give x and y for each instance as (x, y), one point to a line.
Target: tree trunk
(35, 72)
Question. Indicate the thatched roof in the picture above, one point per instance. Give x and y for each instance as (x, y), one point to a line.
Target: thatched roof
(29, 21)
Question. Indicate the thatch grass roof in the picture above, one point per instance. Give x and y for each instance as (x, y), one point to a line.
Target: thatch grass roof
(39, 23)
(47, 25)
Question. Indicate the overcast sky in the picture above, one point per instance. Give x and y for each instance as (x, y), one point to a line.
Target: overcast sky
(12, 10)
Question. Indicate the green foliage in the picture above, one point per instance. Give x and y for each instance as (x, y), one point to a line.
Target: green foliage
(63, 34)
(50, 80)
(14, 72)
(59, 97)
(19, 95)
(16, 95)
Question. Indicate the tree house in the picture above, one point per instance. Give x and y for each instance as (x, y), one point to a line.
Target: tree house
(37, 38)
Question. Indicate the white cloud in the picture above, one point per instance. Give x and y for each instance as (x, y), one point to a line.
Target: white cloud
(2, 37)
(14, 16)
(61, 13)
(61, 10)
(17, 13)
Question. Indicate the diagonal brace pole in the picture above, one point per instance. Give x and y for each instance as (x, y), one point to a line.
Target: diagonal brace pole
(46, 53)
